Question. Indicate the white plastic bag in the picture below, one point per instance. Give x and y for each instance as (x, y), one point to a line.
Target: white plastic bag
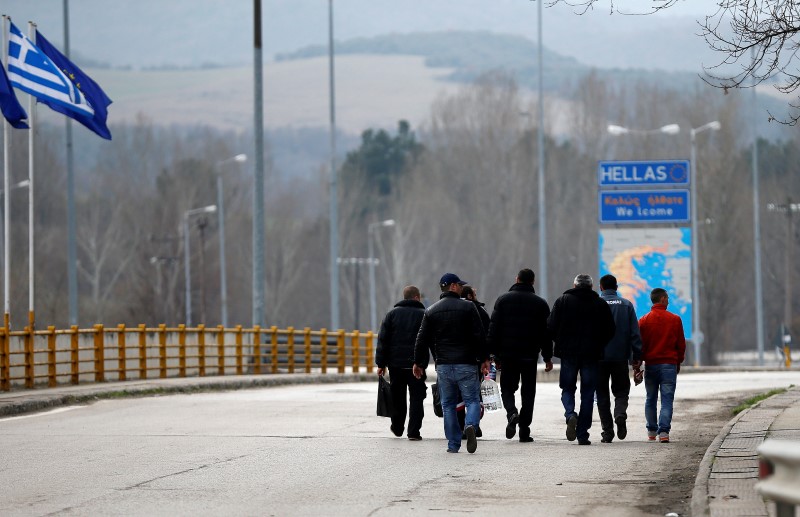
(490, 395)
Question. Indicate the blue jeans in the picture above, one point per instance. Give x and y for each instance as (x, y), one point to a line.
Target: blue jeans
(659, 377)
(452, 380)
(568, 382)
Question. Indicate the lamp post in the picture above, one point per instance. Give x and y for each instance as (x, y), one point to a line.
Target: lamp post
(223, 284)
(332, 178)
(210, 209)
(540, 150)
(372, 263)
(697, 334)
(789, 208)
(669, 129)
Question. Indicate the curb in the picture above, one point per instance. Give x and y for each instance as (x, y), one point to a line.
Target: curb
(159, 387)
(699, 503)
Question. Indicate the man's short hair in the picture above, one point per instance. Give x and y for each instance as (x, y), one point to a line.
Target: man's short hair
(583, 280)
(410, 292)
(608, 282)
(526, 276)
(656, 294)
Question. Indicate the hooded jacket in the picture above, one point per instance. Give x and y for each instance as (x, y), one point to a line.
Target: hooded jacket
(581, 325)
(398, 333)
(518, 327)
(626, 345)
(452, 331)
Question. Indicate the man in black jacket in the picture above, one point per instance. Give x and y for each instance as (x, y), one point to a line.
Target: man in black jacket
(517, 334)
(581, 324)
(452, 331)
(396, 339)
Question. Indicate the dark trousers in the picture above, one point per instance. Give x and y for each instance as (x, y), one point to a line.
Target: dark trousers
(617, 373)
(402, 379)
(568, 382)
(511, 374)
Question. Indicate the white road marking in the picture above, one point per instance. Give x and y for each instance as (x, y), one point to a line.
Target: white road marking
(45, 413)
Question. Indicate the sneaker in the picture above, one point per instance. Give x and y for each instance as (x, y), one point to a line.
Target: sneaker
(572, 428)
(622, 428)
(607, 437)
(472, 441)
(584, 442)
(415, 438)
(453, 451)
(511, 428)
(663, 437)
(651, 436)
(478, 432)
(397, 432)
(525, 439)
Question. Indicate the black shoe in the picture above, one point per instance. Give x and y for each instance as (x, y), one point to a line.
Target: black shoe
(397, 432)
(511, 428)
(584, 442)
(478, 432)
(607, 436)
(472, 441)
(525, 439)
(622, 428)
(415, 438)
(572, 428)
(453, 451)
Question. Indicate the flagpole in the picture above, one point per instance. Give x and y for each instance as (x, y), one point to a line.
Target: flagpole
(6, 187)
(31, 117)
(72, 251)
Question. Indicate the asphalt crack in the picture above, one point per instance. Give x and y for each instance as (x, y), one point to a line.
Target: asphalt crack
(185, 471)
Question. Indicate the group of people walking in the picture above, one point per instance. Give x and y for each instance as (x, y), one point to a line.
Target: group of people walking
(595, 336)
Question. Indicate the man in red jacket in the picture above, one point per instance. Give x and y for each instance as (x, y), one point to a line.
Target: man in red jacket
(663, 350)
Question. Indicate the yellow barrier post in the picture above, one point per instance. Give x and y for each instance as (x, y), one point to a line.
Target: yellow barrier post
(220, 350)
(162, 351)
(356, 346)
(5, 361)
(323, 350)
(28, 347)
(181, 350)
(290, 349)
(99, 353)
(142, 351)
(239, 350)
(257, 349)
(369, 359)
(75, 364)
(340, 350)
(122, 353)
(307, 336)
(201, 349)
(274, 352)
(51, 356)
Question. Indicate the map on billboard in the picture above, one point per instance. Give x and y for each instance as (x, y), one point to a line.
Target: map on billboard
(645, 258)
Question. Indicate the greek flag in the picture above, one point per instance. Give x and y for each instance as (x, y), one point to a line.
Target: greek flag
(33, 72)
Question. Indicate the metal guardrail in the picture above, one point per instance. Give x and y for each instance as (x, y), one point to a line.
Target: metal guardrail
(55, 356)
(779, 469)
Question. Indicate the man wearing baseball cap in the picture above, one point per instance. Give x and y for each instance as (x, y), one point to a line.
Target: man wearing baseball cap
(453, 333)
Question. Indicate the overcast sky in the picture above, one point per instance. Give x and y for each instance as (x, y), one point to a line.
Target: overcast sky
(192, 32)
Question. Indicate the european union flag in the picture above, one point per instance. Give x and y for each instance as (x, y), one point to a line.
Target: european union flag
(90, 90)
(9, 105)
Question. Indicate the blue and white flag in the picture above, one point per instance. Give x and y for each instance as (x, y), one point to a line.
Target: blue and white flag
(33, 72)
(95, 95)
(9, 105)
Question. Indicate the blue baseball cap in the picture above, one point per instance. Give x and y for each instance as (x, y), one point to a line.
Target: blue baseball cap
(450, 278)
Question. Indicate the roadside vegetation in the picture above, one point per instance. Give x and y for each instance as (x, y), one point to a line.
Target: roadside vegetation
(752, 401)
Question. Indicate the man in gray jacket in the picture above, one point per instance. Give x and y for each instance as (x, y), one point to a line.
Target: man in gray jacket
(624, 347)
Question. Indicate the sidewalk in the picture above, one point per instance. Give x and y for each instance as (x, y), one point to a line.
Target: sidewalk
(729, 471)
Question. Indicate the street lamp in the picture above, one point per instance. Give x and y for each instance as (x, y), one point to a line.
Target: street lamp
(669, 129)
(223, 284)
(697, 334)
(210, 209)
(372, 263)
(789, 208)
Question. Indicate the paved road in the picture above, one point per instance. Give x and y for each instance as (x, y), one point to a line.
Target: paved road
(317, 449)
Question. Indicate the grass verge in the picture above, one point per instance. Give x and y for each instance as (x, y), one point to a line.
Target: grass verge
(752, 401)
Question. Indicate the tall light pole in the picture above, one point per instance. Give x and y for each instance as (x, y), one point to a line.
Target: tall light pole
(789, 208)
(697, 334)
(186, 262)
(334, 208)
(373, 323)
(669, 129)
(541, 187)
(258, 183)
(223, 283)
(757, 239)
